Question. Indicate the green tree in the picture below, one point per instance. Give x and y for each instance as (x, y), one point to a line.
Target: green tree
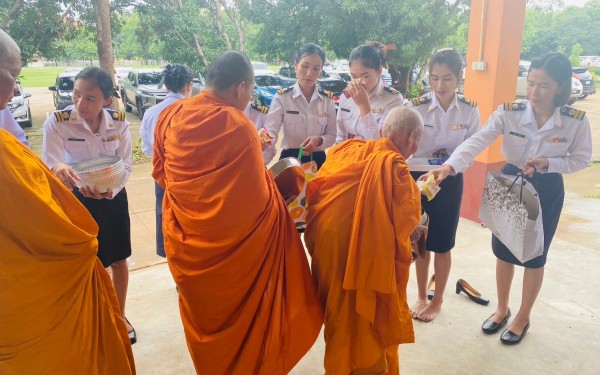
(575, 57)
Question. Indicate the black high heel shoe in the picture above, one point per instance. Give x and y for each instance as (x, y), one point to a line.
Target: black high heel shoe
(132, 335)
(474, 295)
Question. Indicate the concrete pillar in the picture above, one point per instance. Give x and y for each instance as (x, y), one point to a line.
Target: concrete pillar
(495, 41)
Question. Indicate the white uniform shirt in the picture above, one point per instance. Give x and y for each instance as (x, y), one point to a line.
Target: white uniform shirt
(70, 140)
(445, 129)
(565, 139)
(150, 119)
(351, 125)
(8, 123)
(257, 114)
(299, 118)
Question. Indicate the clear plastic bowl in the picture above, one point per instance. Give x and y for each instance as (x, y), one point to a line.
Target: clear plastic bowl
(104, 173)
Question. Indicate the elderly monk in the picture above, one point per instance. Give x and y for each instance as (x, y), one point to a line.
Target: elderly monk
(246, 296)
(58, 309)
(363, 208)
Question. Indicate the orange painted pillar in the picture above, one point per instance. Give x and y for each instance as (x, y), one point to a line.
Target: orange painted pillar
(494, 40)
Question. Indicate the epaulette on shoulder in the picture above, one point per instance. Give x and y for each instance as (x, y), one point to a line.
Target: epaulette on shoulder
(572, 112)
(515, 106)
(285, 90)
(260, 108)
(470, 102)
(116, 115)
(421, 100)
(328, 94)
(62, 115)
(391, 90)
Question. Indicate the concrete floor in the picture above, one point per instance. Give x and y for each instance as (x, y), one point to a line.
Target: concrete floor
(564, 337)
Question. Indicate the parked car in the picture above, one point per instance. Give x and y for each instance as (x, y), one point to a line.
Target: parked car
(198, 84)
(340, 65)
(576, 87)
(19, 106)
(344, 76)
(325, 81)
(62, 90)
(586, 79)
(142, 88)
(261, 68)
(120, 73)
(265, 87)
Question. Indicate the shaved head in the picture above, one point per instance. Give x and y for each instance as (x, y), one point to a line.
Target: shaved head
(231, 77)
(404, 127)
(229, 69)
(10, 67)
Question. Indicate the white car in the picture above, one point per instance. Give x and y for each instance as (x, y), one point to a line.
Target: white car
(120, 73)
(261, 68)
(19, 106)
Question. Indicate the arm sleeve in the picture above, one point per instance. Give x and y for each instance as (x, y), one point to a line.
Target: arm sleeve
(464, 154)
(330, 133)
(147, 133)
(579, 154)
(8, 123)
(341, 131)
(273, 124)
(53, 146)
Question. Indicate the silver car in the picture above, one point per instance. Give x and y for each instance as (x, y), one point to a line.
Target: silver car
(19, 106)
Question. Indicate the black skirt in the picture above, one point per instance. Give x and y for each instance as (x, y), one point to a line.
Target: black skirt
(112, 217)
(551, 191)
(443, 212)
(160, 241)
(318, 156)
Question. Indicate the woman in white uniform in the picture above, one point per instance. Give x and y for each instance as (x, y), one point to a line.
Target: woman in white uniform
(366, 100)
(84, 131)
(178, 80)
(303, 113)
(448, 120)
(543, 139)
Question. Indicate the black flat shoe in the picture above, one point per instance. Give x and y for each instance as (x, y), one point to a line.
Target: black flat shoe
(132, 335)
(510, 338)
(431, 287)
(475, 296)
(489, 327)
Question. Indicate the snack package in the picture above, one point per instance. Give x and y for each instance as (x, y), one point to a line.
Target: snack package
(428, 187)
(265, 137)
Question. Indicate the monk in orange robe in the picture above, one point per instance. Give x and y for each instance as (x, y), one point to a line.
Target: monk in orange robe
(246, 296)
(362, 209)
(58, 310)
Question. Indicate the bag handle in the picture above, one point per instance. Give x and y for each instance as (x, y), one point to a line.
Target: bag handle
(521, 191)
(301, 151)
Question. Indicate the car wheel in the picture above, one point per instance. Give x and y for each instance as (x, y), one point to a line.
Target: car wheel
(140, 109)
(27, 124)
(461, 87)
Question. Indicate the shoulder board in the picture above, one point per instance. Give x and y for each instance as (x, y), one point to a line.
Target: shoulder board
(470, 102)
(572, 112)
(326, 93)
(515, 106)
(421, 100)
(62, 115)
(285, 90)
(391, 90)
(116, 115)
(260, 108)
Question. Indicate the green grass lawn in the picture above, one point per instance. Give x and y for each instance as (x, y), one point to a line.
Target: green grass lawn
(44, 77)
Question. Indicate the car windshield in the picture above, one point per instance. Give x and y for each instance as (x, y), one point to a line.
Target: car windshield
(149, 78)
(66, 83)
(336, 86)
(259, 66)
(268, 81)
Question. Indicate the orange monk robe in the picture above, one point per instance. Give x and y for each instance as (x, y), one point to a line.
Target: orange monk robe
(246, 296)
(58, 310)
(362, 208)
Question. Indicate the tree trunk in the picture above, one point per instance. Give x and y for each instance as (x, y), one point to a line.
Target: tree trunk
(404, 79)
(104, 41)
(14, 9)
(219, 22)
(199, 51)
(239, 26)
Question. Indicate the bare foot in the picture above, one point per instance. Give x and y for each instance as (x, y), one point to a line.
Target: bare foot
(430, 312)
(418, 307)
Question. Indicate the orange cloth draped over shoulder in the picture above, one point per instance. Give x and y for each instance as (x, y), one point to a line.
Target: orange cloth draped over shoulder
(58, 310)
(362, 208)
(246, 296)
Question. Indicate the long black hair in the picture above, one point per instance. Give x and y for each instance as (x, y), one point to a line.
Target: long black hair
(100, 77)
(177, 76)
(309, 49)
(558, 67)
(371, 55)
(450, 58)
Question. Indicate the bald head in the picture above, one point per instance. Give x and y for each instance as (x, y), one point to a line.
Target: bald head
(404, 127)
(10, 67)
(231, 76)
